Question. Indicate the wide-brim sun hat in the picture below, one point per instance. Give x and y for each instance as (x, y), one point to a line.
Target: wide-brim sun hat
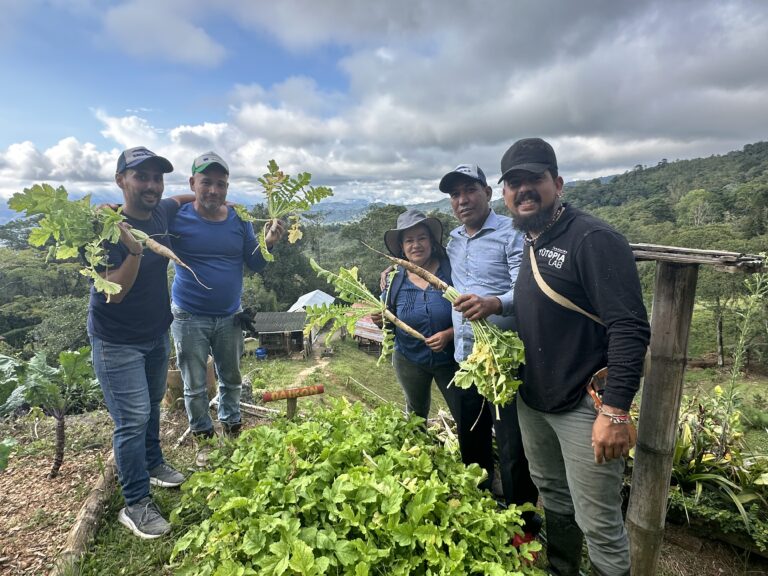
(409, 219)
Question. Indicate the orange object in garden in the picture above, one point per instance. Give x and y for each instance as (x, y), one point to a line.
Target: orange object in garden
(272, 395)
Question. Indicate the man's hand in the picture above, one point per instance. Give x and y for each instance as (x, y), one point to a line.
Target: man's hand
(610, 440)
(377, 319)
(383, 278)
(111, 206)
(274, 233)
(133, 245)
(475, 307)
(438, 342)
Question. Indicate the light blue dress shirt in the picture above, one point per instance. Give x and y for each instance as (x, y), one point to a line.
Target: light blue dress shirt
(485, 264)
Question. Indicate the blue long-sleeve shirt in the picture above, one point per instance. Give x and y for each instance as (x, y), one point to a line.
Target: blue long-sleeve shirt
(424, 310)
(216, 251)
(485, 264)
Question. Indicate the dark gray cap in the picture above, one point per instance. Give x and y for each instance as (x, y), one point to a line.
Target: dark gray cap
(462, 172)
(134, 156)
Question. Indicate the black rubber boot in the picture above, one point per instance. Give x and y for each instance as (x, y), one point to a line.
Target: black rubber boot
(564, 542)
(204, 434)
(231, 430)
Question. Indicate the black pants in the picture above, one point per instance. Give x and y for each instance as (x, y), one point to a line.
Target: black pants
(469, 409)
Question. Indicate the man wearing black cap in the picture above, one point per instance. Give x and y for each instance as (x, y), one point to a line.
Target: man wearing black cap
(485, 253)
(129, 340)
(208, 235)
(579, 308)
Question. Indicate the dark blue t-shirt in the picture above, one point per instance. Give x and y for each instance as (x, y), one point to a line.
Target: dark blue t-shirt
(145, 312)
(425, 311)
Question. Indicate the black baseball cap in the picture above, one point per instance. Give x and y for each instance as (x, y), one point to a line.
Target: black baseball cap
(530, 154)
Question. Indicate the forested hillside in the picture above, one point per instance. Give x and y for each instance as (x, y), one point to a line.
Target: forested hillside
(716, 202)
(720, 202)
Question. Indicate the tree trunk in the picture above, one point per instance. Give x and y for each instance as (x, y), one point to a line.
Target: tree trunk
(58, 457)
(720, 351)
(87, 520)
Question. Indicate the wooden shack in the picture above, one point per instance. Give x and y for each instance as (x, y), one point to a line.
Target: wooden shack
(280, 333)
(367, 334)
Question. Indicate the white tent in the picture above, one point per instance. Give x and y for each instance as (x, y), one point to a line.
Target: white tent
(314, 298)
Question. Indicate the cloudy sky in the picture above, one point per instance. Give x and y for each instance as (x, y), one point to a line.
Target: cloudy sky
(377, 99)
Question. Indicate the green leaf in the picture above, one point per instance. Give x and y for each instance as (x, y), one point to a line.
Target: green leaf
(6, 446)
(39, 236)
(346, 552)
(302, 559)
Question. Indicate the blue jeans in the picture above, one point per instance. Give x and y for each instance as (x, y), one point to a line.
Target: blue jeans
(195, 337)
(132, 377)
(562, 461)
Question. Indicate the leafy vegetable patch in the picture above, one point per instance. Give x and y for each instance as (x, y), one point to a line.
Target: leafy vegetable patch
(349, 491)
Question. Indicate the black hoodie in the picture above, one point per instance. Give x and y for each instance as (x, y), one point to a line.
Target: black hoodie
(591, 264)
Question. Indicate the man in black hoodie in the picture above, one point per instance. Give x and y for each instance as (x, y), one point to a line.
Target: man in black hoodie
(576, 454)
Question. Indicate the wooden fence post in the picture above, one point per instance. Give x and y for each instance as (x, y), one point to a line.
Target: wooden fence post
(659, 411)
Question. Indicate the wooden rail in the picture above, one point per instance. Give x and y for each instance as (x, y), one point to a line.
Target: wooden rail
(726, 261)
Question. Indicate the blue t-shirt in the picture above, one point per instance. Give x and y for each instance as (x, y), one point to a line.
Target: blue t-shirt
(216, 251)
(425, 311)
(145, 312)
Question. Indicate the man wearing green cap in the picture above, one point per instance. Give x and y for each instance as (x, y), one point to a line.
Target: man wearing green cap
(208, 235)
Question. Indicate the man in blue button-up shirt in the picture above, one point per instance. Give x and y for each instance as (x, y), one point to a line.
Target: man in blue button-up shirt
(485, 254)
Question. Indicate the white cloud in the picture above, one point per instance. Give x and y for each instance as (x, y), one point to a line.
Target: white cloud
(128, 131)
(72, 161)
(26, 162)
(161, 28)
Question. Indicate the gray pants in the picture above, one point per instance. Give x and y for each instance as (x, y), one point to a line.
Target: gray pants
(416, 381)
(562, 464)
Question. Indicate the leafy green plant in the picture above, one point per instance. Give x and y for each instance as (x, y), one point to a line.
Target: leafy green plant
(56, 390)
(350, 289)
(347, 492)
(6, 446)
(76, 227)
(286, 196)
(708, 451)
(9, 379)
(708, 514)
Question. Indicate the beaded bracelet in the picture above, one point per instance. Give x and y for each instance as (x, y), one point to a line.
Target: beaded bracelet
(616, 418)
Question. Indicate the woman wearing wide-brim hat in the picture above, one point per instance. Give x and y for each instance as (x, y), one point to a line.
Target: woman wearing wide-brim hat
(418, 239)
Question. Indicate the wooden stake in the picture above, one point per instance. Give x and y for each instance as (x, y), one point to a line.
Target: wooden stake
(291, 408)
(659, 411)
